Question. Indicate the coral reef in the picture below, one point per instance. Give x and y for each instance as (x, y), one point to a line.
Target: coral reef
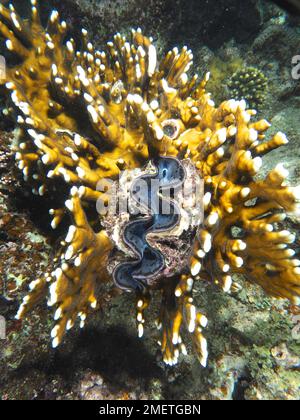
(250, 84)
(85, 115)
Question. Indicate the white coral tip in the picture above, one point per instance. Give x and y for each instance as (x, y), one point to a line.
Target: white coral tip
(71, 233)
(281, 170)
(257, 162)
(296, 192)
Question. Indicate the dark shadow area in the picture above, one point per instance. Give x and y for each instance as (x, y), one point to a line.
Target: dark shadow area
(292, 6)
(8, 308)
(112, 353)
(37, 208)
(240, 387)
(193, 22)
(214, 23)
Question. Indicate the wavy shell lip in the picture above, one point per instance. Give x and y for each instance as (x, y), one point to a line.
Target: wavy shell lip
(169, 173)
(173, 242)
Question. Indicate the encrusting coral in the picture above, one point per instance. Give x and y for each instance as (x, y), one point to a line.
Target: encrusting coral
(86, 115)
(250, 84)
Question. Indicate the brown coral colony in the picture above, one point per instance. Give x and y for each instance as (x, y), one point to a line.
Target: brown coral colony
(84, 115)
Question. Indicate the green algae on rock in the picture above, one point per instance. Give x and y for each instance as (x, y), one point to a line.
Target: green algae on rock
(123, 131)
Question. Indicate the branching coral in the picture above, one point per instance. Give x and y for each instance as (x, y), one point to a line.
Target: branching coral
(250, 84)
(85, 115)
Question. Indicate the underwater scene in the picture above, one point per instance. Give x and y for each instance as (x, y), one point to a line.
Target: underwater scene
(149, 200)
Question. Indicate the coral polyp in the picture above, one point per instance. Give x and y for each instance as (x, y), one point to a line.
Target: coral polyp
(86, 116)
